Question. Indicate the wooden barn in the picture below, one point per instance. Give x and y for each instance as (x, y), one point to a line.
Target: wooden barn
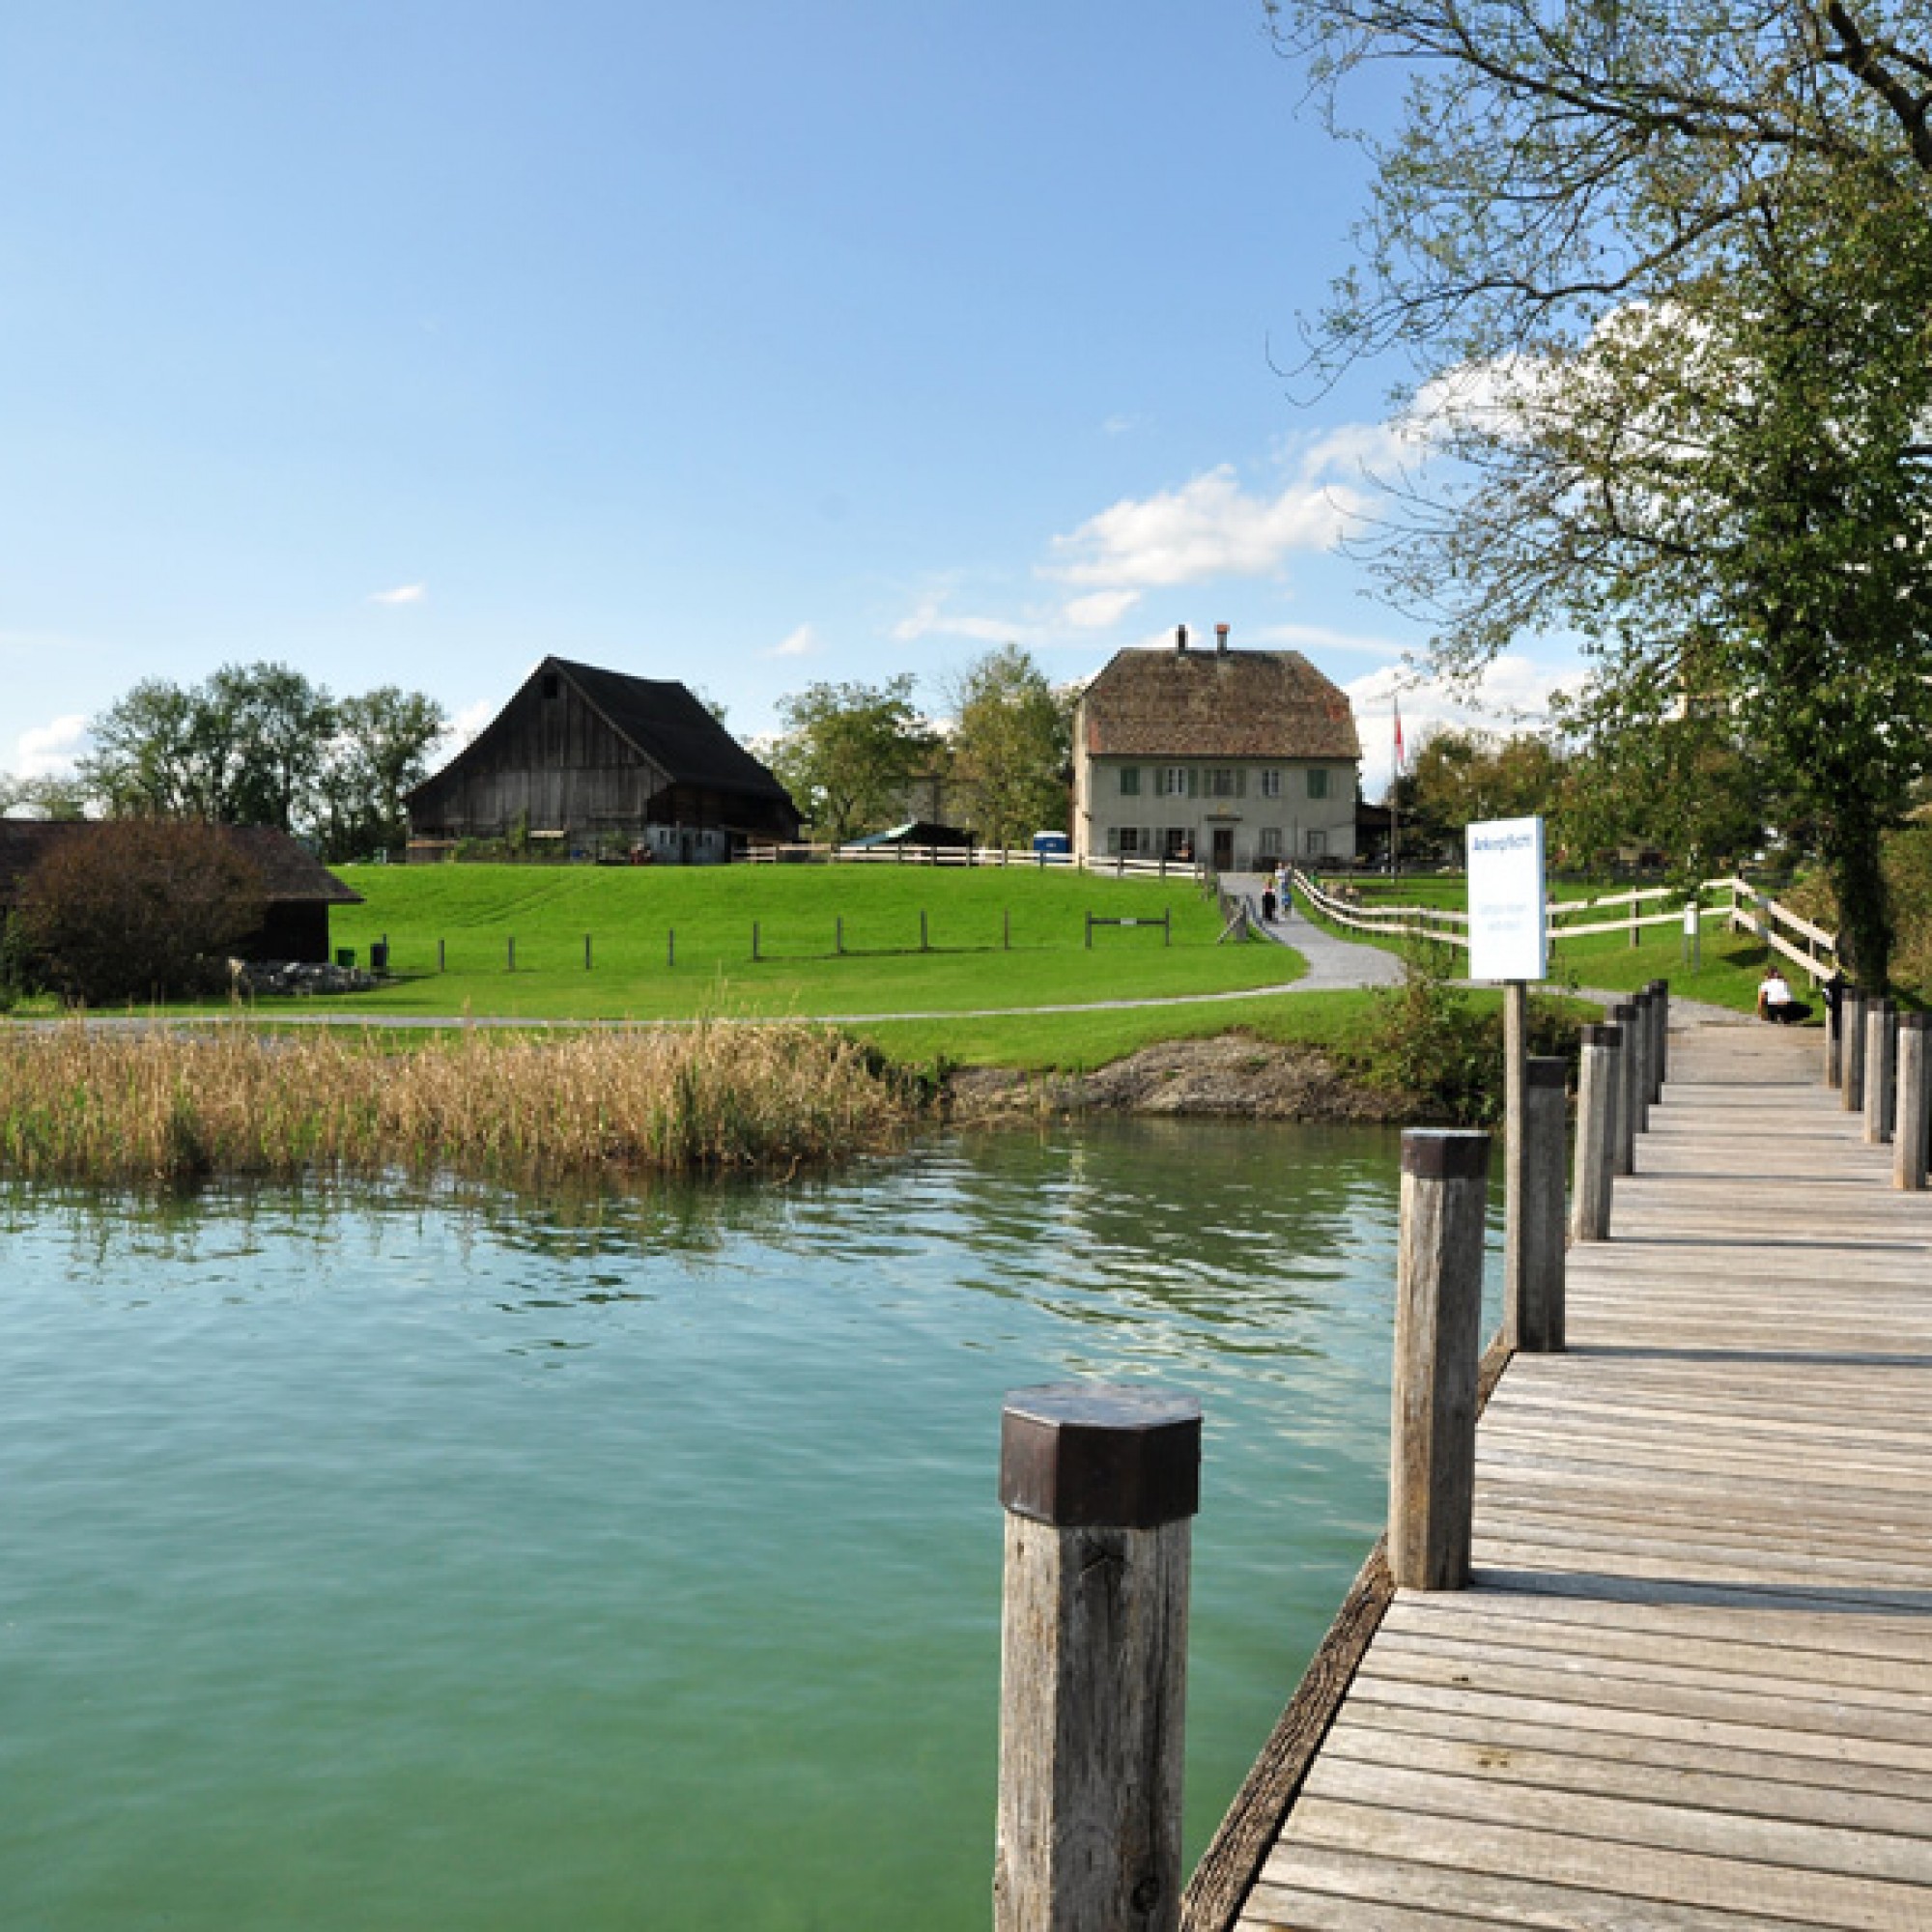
(298, 888)
(584, 761)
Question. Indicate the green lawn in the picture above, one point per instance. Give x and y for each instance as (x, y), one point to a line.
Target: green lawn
(997, 938)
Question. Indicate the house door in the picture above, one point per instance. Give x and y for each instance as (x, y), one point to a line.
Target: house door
(1224, 848)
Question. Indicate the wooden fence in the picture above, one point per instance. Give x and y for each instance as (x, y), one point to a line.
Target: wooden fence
(972, 856)
(1740, 905)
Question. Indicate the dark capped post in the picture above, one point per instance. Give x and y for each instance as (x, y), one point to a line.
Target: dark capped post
(1437, 1342)
(1101, 1486)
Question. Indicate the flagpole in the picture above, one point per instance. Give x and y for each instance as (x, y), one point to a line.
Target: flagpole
(1395, 794)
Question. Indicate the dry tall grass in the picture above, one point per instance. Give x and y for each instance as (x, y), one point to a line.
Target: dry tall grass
(100, 1105)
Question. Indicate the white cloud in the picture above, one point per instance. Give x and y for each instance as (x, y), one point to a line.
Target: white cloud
(403, 593)
(1513, 694)
(1099, 608)
(469, 722)
(803, 642)
(930, 618)
(48, 751)
(1123, 425)
(1210, 528)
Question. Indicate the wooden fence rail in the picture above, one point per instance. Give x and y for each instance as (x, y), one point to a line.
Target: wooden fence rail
(1740, 905)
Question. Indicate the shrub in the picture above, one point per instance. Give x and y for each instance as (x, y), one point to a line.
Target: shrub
(1424, 1036)
(139, 909)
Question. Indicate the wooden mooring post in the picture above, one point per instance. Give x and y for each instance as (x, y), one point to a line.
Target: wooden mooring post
(1881, 1069)
(1622, 1146)
(1438, 1348)
(1660, 1018)
(1599, 1074)
(1099, 1487)
(1852, 1088)
(1913, 1125)
(1835, 1035)
(1533, 1295)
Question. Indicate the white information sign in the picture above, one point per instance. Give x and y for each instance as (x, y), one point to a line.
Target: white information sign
(1508, 934)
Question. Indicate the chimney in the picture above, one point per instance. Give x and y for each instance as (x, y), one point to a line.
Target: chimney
(1221, 638)
(1180, 636)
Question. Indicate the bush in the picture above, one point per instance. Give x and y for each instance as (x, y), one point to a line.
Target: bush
(139, 909)
(1424, 1036)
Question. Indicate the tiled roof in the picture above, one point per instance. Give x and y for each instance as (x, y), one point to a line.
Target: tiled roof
(1216, 705)
(288, 872)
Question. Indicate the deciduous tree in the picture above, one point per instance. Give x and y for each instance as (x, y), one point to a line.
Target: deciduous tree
(849, 751)
(1010, 744)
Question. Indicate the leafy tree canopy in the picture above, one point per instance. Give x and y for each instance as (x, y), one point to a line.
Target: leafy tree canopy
(847, 751)
(1011, 743)
(1664, 270)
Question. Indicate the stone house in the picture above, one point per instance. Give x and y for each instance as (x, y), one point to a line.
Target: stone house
(1239, 758)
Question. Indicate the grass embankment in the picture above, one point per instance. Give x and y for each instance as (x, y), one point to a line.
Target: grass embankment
(1728, 974)
(96, 1105)
(994, 938)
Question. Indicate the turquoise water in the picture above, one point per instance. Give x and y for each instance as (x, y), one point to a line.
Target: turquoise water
(630, 1562)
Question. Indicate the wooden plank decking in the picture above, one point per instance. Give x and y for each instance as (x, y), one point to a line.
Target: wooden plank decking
(1691, 1687)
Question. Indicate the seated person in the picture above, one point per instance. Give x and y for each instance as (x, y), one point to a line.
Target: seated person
(1774, 1001)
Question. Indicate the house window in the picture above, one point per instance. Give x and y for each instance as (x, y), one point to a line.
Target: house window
(1174, 781)
(1271, 784)
(1130, 782)
(1176, 842)
(1130, 841)
(1270, 842)
(1318, 844)
(1219, 783)
(1318, 784)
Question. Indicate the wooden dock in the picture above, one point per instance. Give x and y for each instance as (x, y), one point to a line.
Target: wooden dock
(1691, 1684)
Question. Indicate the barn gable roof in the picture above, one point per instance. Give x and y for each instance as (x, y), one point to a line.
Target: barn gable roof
(289, 873)
(659, 719)
(1216, 705)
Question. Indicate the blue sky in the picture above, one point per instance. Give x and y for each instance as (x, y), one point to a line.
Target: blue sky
(748, 344)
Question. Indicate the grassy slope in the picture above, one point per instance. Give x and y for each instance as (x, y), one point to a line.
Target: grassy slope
(476, 910)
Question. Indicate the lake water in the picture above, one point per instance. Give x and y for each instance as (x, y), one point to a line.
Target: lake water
(631, 1562)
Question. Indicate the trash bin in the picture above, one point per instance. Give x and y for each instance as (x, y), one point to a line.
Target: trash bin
(379, 956)
(344, 957)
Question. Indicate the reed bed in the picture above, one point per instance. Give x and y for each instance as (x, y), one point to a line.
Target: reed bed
(90, 1103)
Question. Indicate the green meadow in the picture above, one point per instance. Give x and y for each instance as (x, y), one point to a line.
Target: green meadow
(674, 943)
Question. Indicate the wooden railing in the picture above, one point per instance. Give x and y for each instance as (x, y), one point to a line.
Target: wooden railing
(970, 856)
(1743, 906)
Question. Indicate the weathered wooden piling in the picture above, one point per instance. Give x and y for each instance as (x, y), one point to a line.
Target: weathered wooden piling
(1881, 1069)
(1660, 1062)
(1623, 1150)
(1533, 1307)
(1912, 1126)
(1599, 1074)
(1639, 1047)
(1437, 1346)
(1099, 1486)
(1852, 1090)
(1835, 1035)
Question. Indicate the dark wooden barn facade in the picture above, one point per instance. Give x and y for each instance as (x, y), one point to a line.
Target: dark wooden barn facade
(297, 889)
(590, 758)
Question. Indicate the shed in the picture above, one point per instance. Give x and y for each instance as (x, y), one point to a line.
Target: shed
(582, 758)
(298, 887)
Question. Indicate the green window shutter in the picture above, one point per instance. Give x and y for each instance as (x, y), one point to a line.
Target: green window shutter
(1193, 782)
(1240, 780)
